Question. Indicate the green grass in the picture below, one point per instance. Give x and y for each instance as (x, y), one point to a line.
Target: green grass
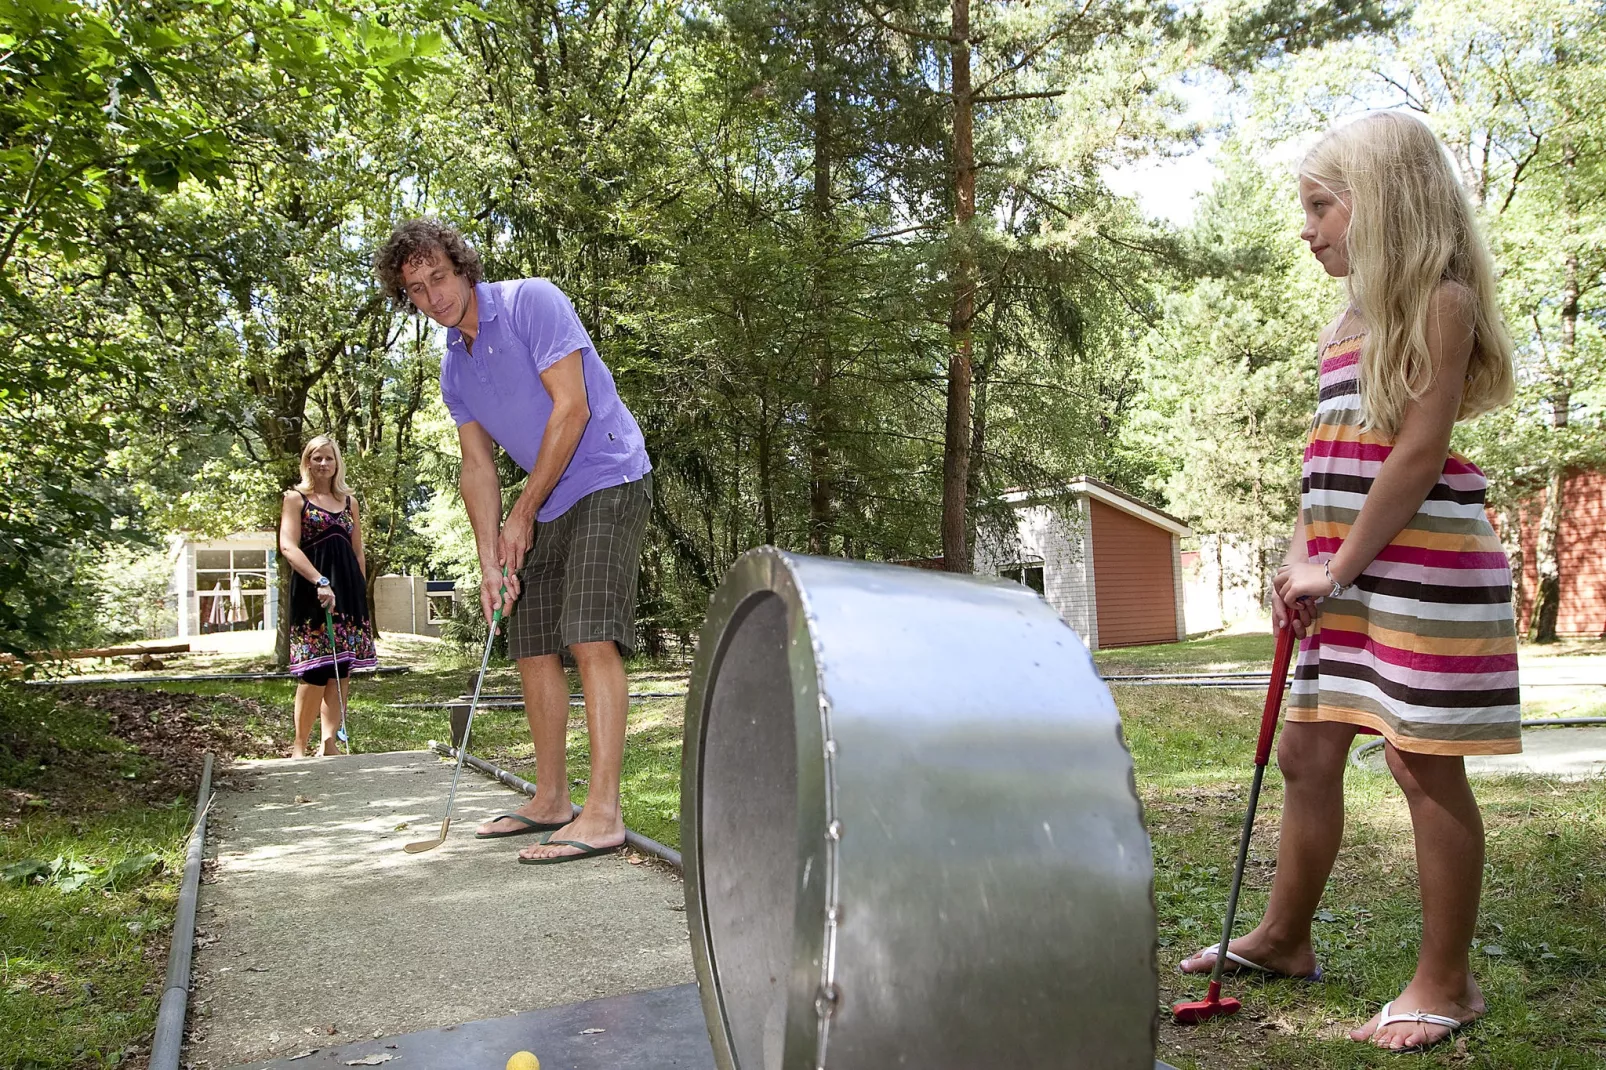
(1544, 905)
(1215, 653)
(1542, 932)
(85, 941)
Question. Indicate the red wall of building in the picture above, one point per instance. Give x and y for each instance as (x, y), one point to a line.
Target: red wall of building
(1133, 583)
(1582, 543)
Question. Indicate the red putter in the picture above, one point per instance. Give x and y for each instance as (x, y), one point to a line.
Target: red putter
(1190, 1012)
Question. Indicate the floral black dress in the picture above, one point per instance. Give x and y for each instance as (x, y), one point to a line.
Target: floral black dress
(326, 540)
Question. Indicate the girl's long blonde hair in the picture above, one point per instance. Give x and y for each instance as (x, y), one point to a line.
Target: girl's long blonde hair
(1411, 228)
(338, 484)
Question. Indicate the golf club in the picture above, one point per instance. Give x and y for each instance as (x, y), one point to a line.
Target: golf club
(329, 620)
(1190, 1012)
(420, 846)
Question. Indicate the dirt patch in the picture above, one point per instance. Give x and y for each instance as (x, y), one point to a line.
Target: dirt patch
(87, 750)
(166, 724)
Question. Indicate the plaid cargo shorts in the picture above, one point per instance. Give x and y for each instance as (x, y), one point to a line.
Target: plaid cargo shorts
(579, 582)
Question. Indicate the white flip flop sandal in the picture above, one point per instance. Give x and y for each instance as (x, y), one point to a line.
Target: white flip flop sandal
(1234, 957)
(1421, 1017)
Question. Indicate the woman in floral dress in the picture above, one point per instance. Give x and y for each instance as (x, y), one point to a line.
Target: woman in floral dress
(321, 537)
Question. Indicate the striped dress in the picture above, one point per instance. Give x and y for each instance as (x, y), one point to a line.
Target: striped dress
(1423, 648)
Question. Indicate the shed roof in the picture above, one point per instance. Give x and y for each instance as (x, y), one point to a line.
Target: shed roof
(1098, 490)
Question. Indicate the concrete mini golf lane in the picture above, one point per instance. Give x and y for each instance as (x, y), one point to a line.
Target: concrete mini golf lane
(314, 919)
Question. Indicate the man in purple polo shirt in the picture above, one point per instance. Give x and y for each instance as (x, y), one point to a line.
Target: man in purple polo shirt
(520, 371)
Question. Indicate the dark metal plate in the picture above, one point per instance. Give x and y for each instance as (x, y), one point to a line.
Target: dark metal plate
(658, 1030)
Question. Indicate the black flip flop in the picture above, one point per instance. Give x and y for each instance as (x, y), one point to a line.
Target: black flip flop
(534, 826)
(586, 851)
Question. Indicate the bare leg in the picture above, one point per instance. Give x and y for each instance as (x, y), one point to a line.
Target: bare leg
(330, 714)
(546, 707)
(307, 698)
(607, 691)
(1449, 863)
(1311, 757)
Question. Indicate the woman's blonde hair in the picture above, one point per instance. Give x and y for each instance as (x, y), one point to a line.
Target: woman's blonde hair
(1411, 228)
(338, 484)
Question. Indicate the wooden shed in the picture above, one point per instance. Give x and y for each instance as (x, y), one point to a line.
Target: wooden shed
(1110, 563)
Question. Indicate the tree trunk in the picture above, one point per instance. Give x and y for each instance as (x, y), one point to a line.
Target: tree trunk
(821, 489)
(281, 639)
(1547, 546)
(978, 446)
(1547, 562)
(1508, 526)
(956, 436)
(766, 488)
(1221, 579)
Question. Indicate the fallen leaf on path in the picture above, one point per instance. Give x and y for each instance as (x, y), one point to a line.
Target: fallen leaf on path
(399, 827)
(302, 799)
(371, 1060)
(256, 969)
(588, 1032)
(302, 1054)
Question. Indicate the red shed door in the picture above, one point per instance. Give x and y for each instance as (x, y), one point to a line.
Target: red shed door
(1133, 587)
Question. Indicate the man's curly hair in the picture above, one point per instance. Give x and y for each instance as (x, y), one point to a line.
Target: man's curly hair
(421, 240)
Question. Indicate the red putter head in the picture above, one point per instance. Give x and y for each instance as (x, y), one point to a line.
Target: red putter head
(1192, 1012)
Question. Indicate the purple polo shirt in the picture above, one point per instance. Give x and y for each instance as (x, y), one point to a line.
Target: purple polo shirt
(526, 326)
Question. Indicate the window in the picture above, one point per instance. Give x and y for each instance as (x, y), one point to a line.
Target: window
(231, 588)
(441, 594)
(1028, 575)
(440, 608)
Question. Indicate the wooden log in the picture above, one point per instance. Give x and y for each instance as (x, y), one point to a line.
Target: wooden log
(174, 647)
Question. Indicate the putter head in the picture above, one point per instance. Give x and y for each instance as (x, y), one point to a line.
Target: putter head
(1192, 1012)
(418, 847)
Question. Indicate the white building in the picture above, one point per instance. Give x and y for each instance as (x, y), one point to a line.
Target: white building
(225, 585)
(412, 604)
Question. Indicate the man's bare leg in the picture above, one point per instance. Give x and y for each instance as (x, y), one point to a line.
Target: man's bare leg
(546, 708)
(607, 692)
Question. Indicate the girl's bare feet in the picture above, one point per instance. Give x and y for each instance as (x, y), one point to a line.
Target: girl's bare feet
(1297, 961)
(1464, 1006)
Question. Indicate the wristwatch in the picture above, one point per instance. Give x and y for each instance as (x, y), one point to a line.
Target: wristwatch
(1338, 588)
(323, 581)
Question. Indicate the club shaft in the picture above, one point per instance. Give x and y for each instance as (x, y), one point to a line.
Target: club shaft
(1238, 872)
(468, 726)
(1268, 731)
(329, 619)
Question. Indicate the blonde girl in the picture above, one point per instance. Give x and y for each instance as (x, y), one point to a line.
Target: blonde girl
(320, 535)
(1394, 579)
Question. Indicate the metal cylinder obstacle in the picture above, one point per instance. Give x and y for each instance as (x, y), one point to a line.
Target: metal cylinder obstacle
(910, 829)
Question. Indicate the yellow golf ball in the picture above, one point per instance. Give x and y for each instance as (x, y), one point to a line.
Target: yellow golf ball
(523, 1060)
